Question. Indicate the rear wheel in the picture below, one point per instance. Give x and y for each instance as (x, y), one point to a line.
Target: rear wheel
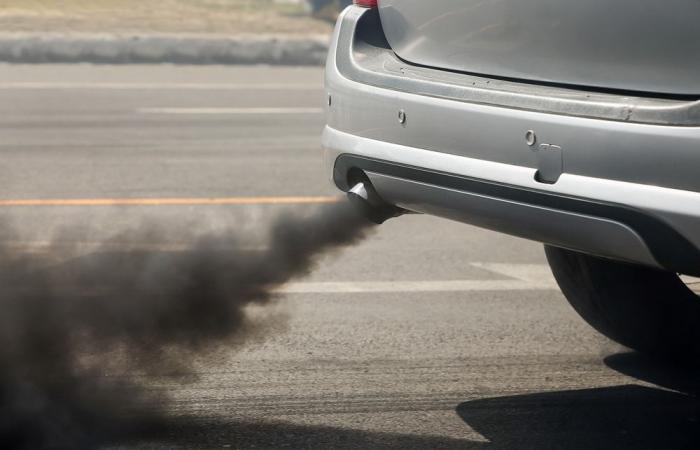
(649, 310)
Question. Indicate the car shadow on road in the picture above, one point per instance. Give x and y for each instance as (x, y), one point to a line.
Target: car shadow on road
(677, 378)
(630, 416)
(618, 417)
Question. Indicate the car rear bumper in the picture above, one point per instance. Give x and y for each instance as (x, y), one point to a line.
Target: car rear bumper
(613, 181)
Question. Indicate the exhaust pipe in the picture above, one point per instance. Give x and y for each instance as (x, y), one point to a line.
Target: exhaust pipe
(363, 196)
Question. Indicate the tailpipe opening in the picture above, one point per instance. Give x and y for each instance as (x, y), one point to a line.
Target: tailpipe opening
(364, 197)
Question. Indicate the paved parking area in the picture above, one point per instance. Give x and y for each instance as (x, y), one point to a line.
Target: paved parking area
(429, 334)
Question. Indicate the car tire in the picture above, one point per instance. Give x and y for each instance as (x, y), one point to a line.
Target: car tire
(648, 310)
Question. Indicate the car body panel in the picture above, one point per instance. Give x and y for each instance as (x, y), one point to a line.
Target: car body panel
(635, 169)
(632, 45)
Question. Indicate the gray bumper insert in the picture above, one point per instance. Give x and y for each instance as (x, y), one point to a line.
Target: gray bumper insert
(672, 250)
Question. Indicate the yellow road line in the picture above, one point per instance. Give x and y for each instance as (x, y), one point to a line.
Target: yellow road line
(169, 201)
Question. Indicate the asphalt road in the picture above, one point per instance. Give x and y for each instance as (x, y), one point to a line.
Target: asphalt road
(429, 334)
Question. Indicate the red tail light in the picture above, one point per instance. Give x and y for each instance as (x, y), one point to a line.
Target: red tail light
(366, 3)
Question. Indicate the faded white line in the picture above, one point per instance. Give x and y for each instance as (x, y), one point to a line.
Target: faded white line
(358, 287)
(160, 86)
(235, 111)
(521, 277)
(534, 273)
(693, 283)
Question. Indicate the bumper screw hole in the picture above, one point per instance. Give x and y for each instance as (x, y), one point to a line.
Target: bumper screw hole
(530, 138)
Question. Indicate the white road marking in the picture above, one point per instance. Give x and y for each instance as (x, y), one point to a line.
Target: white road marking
(522, 277)
(693, 283)
(161, 86)
(534, 273)
(358, 287)
(237, 111)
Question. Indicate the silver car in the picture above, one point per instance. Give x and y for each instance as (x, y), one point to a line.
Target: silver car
(573, 123)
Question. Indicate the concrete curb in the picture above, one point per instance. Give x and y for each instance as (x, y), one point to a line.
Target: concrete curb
(163, 48)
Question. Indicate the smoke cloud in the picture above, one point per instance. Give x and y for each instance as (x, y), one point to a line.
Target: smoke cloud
(69, 328)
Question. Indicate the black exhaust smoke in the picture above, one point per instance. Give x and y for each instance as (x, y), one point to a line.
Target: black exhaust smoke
(69, 329)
